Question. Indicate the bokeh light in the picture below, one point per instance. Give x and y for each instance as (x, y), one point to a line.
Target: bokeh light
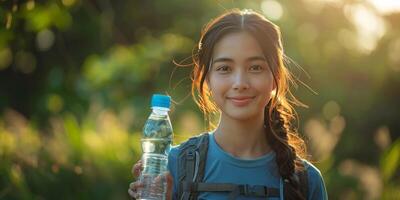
(272, 9)
(45, 39)
(386, 6)
(370, 26)
(5, 58)
(25, 62)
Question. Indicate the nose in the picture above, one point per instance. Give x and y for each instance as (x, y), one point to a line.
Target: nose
(240, 81)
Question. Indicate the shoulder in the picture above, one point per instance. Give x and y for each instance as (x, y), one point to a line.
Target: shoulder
(316, 184)
(174, 151)
(192, 141)
(312, 171)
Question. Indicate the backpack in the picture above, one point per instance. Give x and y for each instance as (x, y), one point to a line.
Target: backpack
(191, 167)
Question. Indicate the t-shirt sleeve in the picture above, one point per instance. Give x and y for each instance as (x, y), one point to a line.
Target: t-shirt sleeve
(173, 168)
(316, 185)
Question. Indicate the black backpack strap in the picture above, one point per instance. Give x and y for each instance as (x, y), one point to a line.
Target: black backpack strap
(233, 189)
(202, 149)
(192, 157)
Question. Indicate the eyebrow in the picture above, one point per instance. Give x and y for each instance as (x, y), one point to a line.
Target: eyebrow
(223, 59)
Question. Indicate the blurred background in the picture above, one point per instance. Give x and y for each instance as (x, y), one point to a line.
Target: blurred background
(76, 78)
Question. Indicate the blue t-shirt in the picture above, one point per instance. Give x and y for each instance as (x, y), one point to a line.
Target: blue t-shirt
(222, 167)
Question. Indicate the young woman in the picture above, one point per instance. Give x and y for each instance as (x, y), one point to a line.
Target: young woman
(254, 152)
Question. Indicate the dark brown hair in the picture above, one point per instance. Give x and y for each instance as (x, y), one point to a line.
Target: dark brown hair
(279, 113)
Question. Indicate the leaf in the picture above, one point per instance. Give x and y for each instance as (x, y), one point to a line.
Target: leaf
(390, 161)
(73, 133)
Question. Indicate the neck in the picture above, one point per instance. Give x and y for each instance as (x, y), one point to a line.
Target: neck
(244, 139)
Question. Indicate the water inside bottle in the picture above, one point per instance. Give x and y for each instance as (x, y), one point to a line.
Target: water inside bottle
(156, 144)
(157, 136)
(153, 177)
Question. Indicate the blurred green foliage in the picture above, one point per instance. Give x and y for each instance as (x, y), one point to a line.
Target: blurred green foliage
(76, 78)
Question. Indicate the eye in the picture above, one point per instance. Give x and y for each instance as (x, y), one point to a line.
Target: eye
(256, 68)
(223, 69)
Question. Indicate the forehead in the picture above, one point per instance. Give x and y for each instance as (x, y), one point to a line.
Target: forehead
(237, 46)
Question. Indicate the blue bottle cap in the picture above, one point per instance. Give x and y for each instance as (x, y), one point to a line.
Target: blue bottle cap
(159, 100)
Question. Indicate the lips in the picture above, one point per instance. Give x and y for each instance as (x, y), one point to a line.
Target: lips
(241, 100)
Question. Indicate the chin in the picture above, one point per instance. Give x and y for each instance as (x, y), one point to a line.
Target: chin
(241, 115)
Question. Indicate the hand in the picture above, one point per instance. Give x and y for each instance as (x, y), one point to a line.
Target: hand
(134, 186)
(137, 185)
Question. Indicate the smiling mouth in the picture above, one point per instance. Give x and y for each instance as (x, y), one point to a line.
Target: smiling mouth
(240, 101)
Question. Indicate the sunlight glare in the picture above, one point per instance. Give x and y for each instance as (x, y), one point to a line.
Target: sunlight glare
(386, 6)
(370, 26)
(272, 9)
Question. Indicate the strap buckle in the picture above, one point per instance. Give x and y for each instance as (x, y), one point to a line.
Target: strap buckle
(190, 155)
(253, 190)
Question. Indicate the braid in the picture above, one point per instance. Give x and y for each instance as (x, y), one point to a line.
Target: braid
(279, 137)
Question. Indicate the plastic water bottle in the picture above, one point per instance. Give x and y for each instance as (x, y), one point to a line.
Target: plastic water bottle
(156, 143)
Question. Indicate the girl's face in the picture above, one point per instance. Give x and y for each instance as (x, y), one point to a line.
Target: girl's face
(239, 78)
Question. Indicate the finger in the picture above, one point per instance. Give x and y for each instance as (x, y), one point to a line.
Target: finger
(135, 185)
(137, 168)
(133, 169)
(132, 186)
(163, 176)
(132, 193)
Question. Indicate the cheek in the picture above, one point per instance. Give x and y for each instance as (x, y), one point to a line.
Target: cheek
(218, 85)
(265, 84)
